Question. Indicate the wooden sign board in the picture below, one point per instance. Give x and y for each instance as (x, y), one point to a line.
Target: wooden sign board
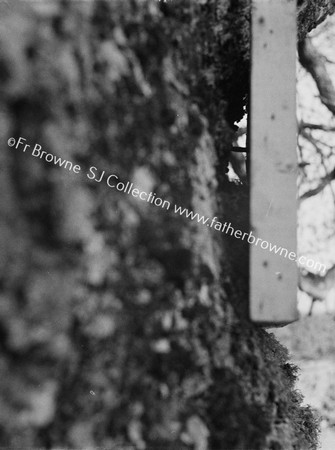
(273, 140)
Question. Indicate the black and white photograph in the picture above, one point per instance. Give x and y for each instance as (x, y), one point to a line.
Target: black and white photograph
(167, 224)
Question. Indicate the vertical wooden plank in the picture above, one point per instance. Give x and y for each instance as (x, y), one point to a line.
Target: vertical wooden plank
(272, 128)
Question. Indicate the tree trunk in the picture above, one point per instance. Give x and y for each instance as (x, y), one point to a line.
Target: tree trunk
(124, 323)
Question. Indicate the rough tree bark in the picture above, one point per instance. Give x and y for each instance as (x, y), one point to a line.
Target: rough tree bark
(123, 323)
